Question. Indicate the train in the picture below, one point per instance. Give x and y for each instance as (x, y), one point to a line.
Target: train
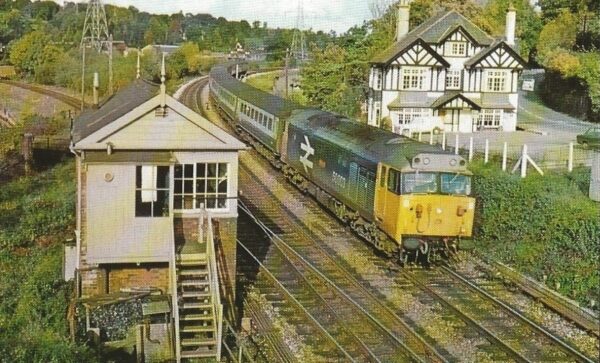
(405, 197)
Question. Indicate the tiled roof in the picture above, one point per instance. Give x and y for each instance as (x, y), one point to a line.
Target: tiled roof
(433, 31)
(450, 96)
(114, 108)
(495, 100)
(411, 99)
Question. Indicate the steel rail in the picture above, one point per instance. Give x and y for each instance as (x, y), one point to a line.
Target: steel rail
(491, 336)
(295, 301)
(303, 277)
(582, 317)
(536, 327)
(282, 243)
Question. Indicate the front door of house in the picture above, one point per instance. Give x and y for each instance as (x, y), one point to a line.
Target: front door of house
(451, 118)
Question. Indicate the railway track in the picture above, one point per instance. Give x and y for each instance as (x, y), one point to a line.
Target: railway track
(382, 333)
(359, 333)
(71, 101)
(513, 336)
(582, 317)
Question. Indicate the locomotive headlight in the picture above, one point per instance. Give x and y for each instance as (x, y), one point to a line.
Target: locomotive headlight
(439, 210)
(471, 205)
(462, 163)
(426, 161)
(452, 162)
(417, 160)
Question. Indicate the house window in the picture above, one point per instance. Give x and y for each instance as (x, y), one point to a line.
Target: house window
(453, 77)
(151, 191)
(406, 115)
(201, 183)
(456, 49)
(377, 78)
(490, 118)
(496, 81)
(414, 78)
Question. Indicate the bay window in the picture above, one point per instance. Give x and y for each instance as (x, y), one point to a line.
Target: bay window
(490, 118)
(406, 115)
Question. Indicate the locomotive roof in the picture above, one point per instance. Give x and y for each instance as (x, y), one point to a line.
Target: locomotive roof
(375, 144)
(274, 105)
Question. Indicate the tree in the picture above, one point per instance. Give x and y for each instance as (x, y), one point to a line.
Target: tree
(560, 32)
(26, 52)
(529, 24)
(12, 25)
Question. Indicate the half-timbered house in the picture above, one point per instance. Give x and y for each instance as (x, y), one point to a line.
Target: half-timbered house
(449, 71)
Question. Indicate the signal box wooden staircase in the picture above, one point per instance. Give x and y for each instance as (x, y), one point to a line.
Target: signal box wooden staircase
(198, 311)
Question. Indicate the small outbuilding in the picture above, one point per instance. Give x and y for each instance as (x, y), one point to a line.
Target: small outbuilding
(156, 209)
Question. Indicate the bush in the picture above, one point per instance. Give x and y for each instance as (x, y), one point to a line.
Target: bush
(33, 295)
(542, 226)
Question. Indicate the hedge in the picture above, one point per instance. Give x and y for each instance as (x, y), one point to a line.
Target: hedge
(545, 226)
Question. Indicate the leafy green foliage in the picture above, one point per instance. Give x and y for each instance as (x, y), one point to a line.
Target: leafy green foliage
(528, 26)
(36, 214)
(542, 226)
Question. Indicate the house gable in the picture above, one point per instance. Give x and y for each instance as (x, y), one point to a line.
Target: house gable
(454, 101)
(142, 129)
(499, 55)
(421, 54)
(458, 35)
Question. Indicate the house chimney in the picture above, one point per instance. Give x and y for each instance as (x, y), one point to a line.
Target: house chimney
(96, 85)
(402, 27)
(511, 19)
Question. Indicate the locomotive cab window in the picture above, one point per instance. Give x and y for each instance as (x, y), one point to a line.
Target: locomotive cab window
(382, 176)
(419, 183)
(394, 182)
(455, 184)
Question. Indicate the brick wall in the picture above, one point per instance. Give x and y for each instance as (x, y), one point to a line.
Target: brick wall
(133, 276)
(226, 240)
(186, 230)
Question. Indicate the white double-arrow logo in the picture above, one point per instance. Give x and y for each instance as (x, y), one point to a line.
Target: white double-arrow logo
(308, 152)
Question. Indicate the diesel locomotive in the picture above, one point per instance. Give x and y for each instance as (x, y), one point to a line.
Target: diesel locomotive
(403, 196)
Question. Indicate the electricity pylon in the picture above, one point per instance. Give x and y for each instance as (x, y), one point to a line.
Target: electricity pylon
(298, 48)
(95, 35)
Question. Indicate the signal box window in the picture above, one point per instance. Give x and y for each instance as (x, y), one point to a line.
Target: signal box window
(201, 184)
(151, 191)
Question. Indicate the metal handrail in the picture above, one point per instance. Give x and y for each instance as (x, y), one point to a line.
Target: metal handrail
(213, 277)
(174, 297)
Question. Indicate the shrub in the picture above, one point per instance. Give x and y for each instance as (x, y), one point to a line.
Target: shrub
(33, 295)
(543, 225)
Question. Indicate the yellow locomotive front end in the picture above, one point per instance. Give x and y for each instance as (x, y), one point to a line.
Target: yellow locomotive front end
(426, 206)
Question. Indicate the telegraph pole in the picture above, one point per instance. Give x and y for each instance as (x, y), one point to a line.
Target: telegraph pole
(287, 64)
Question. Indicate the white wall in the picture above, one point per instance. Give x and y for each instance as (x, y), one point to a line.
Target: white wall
(114, 233)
